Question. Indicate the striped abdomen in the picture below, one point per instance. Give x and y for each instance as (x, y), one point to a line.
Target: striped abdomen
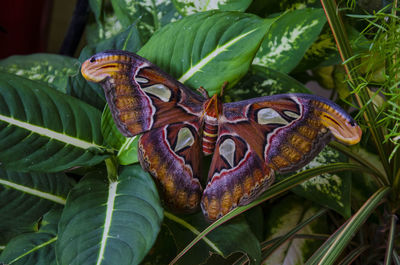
(210, 134)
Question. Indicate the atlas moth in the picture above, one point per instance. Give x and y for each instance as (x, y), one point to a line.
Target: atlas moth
(249, 140)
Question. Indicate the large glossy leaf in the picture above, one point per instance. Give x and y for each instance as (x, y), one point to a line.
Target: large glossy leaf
(189, 7)
(207, 49)
(110, 223)
(289, 38)
(235, 236)
(34, 248)
(52, 69)
(283, 217)
(44, 130)
(264, 81)
(24, 198)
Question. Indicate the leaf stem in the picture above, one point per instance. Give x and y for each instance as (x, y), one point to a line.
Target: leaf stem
(112, 168)
(391, 240)
(193, 230)
(291, 233)
(352, 226)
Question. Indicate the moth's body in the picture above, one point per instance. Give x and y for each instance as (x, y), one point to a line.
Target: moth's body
(249, 140)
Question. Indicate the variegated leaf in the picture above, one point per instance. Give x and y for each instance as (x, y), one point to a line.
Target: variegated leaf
(189, 7)
(329, 190)
(289, 38)
(52, 69)
(283, 217)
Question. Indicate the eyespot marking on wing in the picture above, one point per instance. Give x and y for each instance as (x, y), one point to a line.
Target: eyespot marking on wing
(291, 114)
(227, 151)
(141, 80)
(159, 90)
(270, 116)
(185, 138)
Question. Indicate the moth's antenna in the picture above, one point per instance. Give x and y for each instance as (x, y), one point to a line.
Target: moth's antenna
(203, 92)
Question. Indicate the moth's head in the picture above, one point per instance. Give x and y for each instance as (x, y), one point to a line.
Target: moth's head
(341, 125)
(213, 106)
(105, 64)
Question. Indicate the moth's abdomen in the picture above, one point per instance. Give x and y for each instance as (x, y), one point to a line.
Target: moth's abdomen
(210, 134)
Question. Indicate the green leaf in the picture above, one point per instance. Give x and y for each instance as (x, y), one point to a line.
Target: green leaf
(207, 49)
(44, 130)
(24, 198)
(150, 15)
(264, 81)
(289, 38)
(274, 190)
(285, 216)
(127, 154)
(232, 237)
(127, 147)
(96, 6)
(189, 7)
(110, 223)
(128, 40)
(163, 250)
(52, 69)
(329, 190)
(34, 248)
(328, 253)
(112, 136)
(104, 28)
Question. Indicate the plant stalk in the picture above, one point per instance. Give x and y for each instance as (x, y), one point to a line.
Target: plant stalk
(362, 97)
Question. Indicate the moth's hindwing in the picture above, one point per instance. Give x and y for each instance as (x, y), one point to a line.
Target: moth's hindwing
(237, 176)
(171, 154)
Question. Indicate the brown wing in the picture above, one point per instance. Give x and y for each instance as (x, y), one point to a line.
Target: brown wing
(140, 95)
(171, 154)
(257, 137)
(289, 130)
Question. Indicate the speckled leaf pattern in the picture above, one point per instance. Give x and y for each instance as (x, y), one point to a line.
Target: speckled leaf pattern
(25, 197)
(52, 69)
(150, 15)
(34, 248)
(285, 216)
(189, 7)
(289, 38)
(205, 44)
(44, 130)
(328, 190)
(101, 220)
